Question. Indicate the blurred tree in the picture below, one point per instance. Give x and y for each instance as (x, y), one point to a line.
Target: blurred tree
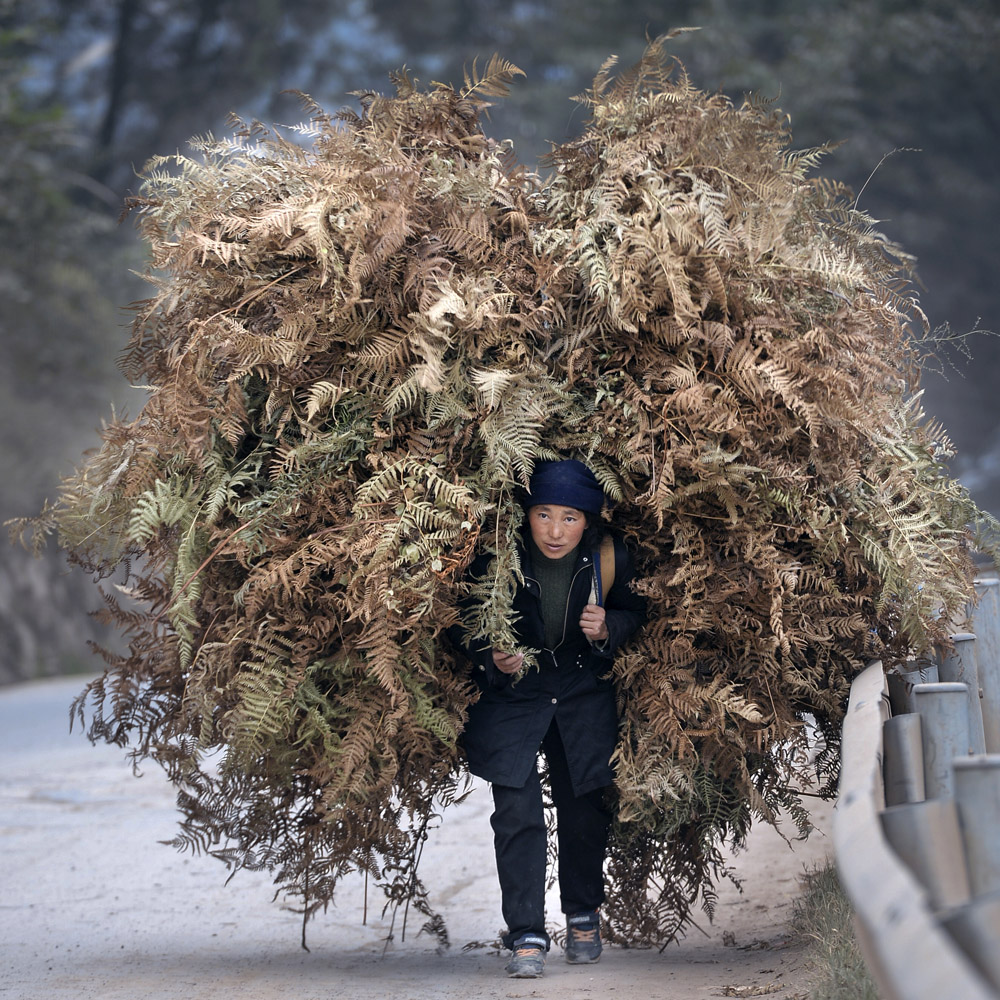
(59, 273)
(142, 76)
(58, 326)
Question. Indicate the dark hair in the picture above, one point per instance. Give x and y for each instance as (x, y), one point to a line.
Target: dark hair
(593, 533)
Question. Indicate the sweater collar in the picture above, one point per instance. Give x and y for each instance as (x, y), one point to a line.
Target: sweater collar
(539, 558)
(578, 558)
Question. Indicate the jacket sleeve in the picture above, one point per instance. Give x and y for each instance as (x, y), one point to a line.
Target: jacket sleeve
(625, 610)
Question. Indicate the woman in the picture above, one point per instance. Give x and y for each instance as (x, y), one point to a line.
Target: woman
(566, 708)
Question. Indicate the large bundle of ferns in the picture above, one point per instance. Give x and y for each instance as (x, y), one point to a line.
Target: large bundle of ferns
(359, 346)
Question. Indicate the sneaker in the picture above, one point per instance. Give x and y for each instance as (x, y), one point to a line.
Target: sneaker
(583, 938)
(528, 960)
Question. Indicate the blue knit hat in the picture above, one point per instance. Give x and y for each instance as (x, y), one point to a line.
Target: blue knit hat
(567, 484)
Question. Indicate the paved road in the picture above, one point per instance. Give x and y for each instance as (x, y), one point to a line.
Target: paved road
(95, 908)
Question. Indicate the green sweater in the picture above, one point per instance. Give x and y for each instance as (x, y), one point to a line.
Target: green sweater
(554, 578)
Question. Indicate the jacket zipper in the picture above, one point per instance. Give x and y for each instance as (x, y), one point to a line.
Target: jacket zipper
(569, 593)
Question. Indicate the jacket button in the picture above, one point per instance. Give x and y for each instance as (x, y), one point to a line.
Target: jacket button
(555, 701)
(482, 666)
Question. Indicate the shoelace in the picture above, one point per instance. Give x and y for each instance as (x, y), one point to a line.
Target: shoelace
(527, 952)
(586, 936)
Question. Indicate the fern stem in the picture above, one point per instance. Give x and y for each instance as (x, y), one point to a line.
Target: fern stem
(187, 583)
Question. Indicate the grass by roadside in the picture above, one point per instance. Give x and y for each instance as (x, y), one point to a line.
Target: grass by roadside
(824, 918)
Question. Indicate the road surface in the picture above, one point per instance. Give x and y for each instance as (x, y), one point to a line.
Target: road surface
(95, 908)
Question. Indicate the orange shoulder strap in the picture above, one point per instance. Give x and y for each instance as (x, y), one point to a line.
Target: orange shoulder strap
(607, 564)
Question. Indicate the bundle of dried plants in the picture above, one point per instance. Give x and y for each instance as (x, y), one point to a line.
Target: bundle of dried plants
(362, 338)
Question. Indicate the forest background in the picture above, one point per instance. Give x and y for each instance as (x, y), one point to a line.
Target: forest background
(89, 89)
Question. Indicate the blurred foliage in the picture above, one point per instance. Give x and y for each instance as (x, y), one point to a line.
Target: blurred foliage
(142, 75)
(48, 339)
(61, 273)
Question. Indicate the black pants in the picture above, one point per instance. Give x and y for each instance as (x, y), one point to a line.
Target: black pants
(519, 838)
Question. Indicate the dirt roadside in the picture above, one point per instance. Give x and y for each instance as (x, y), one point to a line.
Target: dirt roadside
(94, 908)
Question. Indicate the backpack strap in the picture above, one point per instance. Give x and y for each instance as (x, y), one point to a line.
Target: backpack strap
(604, 570)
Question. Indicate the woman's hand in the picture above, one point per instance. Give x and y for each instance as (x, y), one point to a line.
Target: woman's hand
(507, 663)
(592, 623)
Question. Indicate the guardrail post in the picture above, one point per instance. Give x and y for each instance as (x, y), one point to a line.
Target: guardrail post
(975, 928)
(927, 838)
(960, 666)
(944, 709)
(977, 793)
(900, 683)
(902, 759)
(986, 623)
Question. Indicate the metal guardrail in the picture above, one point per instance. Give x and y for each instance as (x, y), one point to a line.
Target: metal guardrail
(909, 953)
(916, 828)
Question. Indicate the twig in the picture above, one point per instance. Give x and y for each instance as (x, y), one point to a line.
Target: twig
(898, 149)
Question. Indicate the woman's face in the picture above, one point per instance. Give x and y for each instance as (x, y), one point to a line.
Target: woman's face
(556, 530)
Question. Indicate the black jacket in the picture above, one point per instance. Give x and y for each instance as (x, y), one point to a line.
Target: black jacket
(571, 685)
